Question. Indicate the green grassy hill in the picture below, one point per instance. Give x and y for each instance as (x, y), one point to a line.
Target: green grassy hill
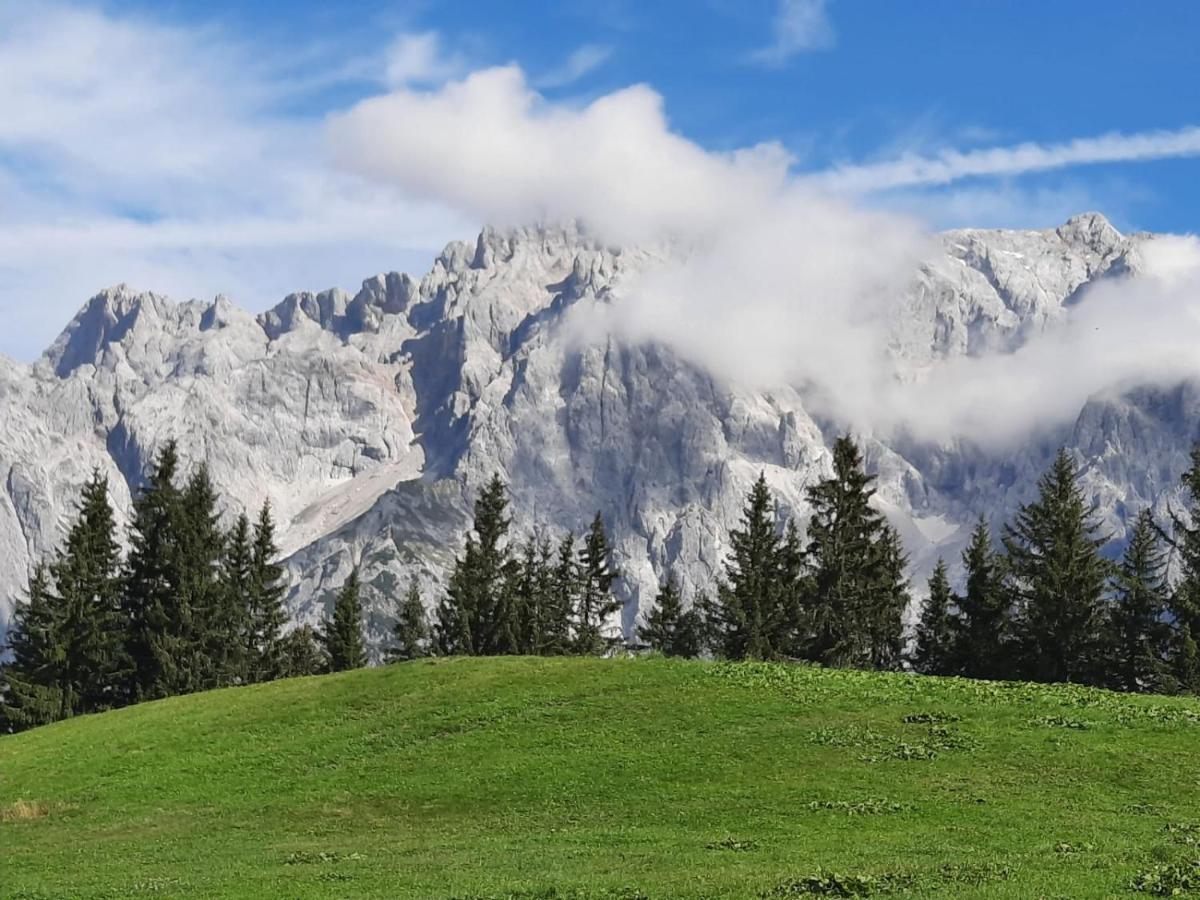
(537, 778)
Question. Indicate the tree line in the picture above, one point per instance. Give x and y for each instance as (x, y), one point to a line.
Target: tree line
(192, 607)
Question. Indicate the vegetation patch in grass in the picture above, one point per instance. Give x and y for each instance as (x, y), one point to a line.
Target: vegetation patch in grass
(839, 884)
(1171, 880)
(861, 807)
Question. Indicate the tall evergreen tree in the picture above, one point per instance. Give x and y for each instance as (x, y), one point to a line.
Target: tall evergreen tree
(152, 585)
(265, 611)
(411, 635)
(982, 640)
(853, 560)
(751, 602)
(563, 593)
(1139, 647)
(1059, 579)
(888, 597)
(597, 603)
(236, 576)
(535, 606)
(669, 628)
(31, 693)
(87, 585)
(934, 652)
(300, 653)
(1185, 600)
(477, 616)
(342, 636)
(201, 646)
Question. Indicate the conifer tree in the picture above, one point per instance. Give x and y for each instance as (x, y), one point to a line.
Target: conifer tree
(934, 652)
(265, 611)
(669, 628)
(411, 634)
(888, 597)
(152, 587)
(300, 653)
(596, 601)
(342, 636)
(1059, 578)
(235, 584)
(86, 596)
(1185, 600)
(32, 694)
(200, 648)
(563, 599)
(854, 562)
(1137, 657)
(477, 616)
(535, 596)
(751, 601)
(982, 632)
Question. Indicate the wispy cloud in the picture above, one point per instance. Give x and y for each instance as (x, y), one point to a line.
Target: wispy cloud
(799, 26)
(953, 165)
(421, 59)
(583, 61)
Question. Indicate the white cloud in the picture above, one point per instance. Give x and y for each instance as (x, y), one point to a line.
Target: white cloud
(583, 61)
(420, 59)
(799, 26)
(953, 165)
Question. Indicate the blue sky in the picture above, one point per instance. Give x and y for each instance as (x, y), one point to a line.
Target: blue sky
(186, 147)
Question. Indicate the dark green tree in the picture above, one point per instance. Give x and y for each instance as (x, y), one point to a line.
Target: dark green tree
(1139, 633)
(888, 597)
(152, 584)
(596, 601)
(1059, 579)
(342, 636)
(934, 651)
(201, 647)
(235, 582)
(982, 633)
(854, 562)
(1185, 599)
(410, 637)
(265, 610)
(563, 599)
(30, 683)
(751, 604)
(300, 653)
(669, 628)
(478, 616)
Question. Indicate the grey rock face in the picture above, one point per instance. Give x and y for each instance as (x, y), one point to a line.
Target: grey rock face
(369, 422)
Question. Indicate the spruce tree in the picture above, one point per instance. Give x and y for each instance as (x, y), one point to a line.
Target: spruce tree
(563, 600)
(596, 601)
(236, 568)
(478, 614)
(265, 611)
(934, 652)
(1139, 639)
(855, 584)
(152, 584)
(1185, 600)
(32, 694)
(201, 646)
(669, 628)
(751, 603)
(87, 586)
(342, 636)
(411, 635)
(888, 597)
(300, 653)
(1059, 578)
(982, 640)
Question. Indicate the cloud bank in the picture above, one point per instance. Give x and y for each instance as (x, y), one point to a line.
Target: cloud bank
(772, 279)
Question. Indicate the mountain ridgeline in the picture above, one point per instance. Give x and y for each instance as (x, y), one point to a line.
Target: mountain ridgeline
(370, 423)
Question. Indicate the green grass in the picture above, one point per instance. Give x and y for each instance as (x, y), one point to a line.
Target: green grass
(532, 778)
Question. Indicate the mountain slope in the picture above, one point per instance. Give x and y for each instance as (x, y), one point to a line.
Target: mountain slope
(602, 778)
(370, 421)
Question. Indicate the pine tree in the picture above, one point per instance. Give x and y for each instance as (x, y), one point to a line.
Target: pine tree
(265, 612)
(563, 594)
(982, 632)
(411, 634)
(152, 581)
(855, 581)
(888, 597)
(1185, 600)
(535, 596)
(934, 652)
(1139, 634)
(300, 653)
(32, 694)
(342, 637)
(751, 601)
(596, 602)
(87, 579)
(669, 628)
(1059, 578)
(478, 616)
(201, 646)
